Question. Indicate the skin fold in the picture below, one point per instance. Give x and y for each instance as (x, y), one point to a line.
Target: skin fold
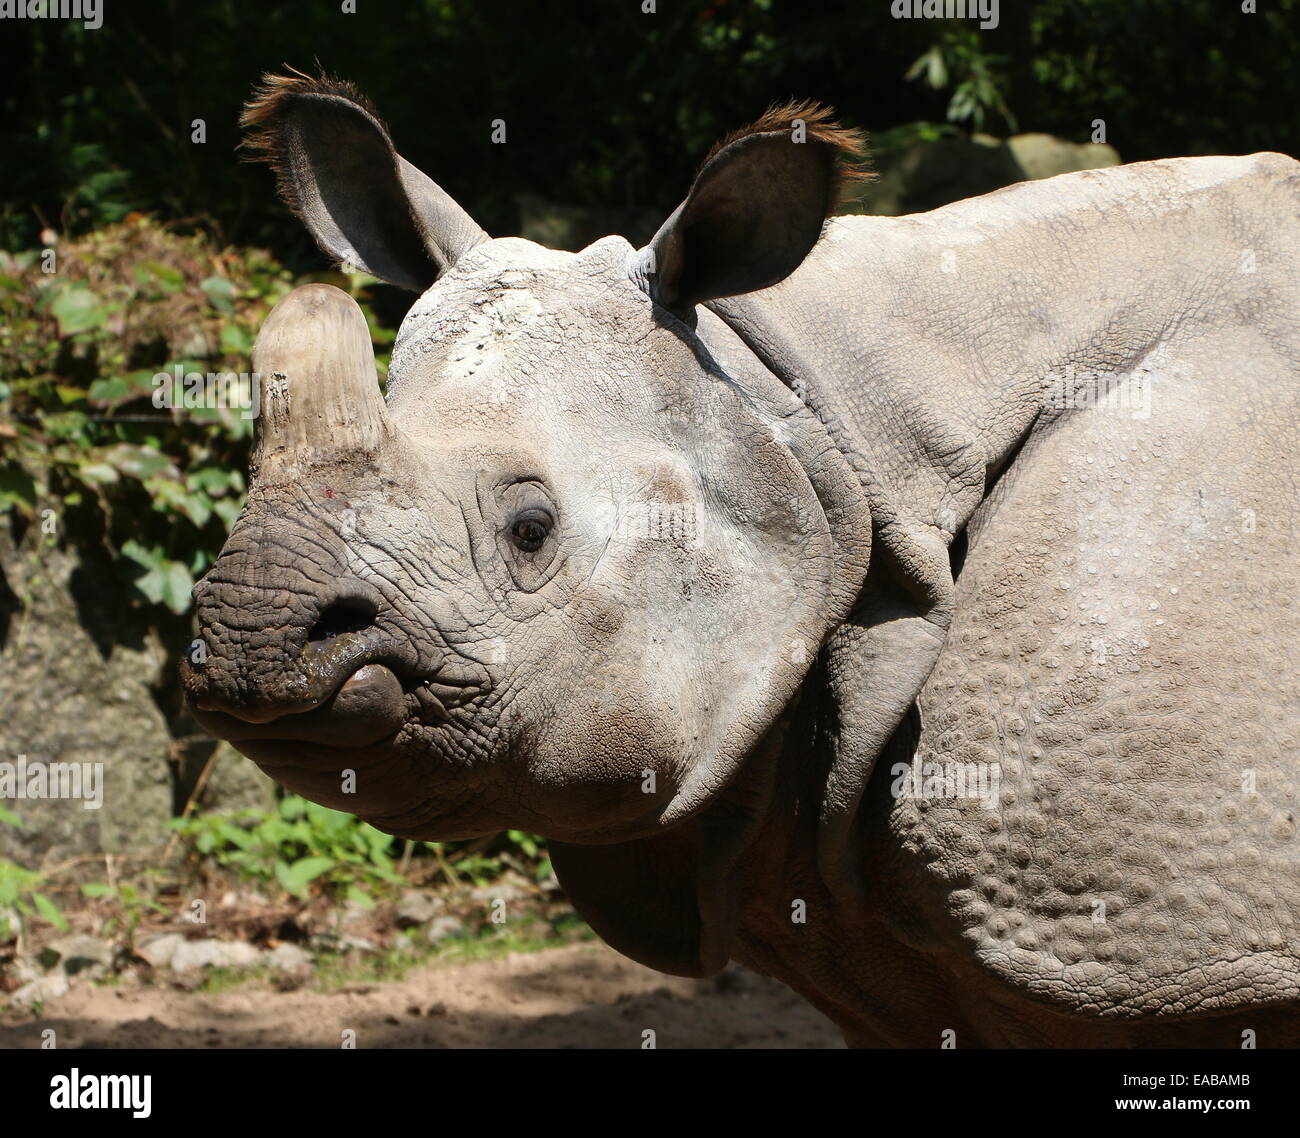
(685, 557)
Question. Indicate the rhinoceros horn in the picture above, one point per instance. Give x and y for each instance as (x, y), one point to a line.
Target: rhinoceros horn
(320, 400)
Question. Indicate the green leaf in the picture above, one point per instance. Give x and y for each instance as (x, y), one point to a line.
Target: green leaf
(177, 586)
(296, 877)
(235, 835)
(236, 341)
(99, 473)
(151, 557)
(227, 509)
(165, 581)
(10, 819)
(139, 462)
(169, 280)
(49, 911)
(77, 309)
(359, 896)
(97, 889)
(116, 389)
(17, 488)
(220, 292)
(214, 480)
(172, 496)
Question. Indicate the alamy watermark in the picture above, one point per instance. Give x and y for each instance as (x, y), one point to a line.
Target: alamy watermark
(986, 11)
(37, 780)
(229, 390)
(1079, 389)
(87, 11)
(981, 782)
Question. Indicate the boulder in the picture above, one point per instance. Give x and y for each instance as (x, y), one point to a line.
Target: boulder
(417, 908)
(86, 956)
(444, 928)
(159, 950)
(922, 169)
(286, 957)
(190, 954)
(41, 990)
(85, 679)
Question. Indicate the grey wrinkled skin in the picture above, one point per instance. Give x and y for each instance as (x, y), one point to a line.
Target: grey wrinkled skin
(806, 534)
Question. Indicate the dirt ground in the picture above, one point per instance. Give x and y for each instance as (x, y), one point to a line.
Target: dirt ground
(579, 996)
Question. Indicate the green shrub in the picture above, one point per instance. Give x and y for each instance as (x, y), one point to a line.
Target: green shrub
(21, 898)
(156, 489)
(297, 846)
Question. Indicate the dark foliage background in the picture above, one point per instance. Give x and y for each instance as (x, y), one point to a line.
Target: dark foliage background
(606, 106)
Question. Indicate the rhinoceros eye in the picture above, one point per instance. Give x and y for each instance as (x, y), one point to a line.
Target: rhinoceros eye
(529, 530)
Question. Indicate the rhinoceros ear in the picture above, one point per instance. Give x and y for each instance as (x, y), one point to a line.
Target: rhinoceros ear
(755, 209)
(336, 168)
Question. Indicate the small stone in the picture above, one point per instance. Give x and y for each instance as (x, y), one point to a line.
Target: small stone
(159, 950)
(25, 971)
(41, 990)
(445, 928)
(192, 954)
(354, 912)
(79, 954)
(286, 957)
(503, 889)
(415, 908)
(326, 941)
(238, 954)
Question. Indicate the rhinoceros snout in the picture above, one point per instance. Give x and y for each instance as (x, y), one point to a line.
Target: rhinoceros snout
(309, 662)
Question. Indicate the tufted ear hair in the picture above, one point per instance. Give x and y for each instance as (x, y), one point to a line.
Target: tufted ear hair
(337, 169)
(755, 209)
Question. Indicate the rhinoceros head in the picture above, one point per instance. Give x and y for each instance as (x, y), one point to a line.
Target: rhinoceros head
(574, 569)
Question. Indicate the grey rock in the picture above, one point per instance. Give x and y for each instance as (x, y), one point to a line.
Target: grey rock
(288, 957)
(210, 953)
(922, 174)
(196, 954)
(505, 888)
(159, 950)
(79, 955)
(1045, 156)
(25, 971)
(76, 686)
(445, 928)
(78, 671)
(354, 911)
(416, 908)
(41, 990)
(239, 954)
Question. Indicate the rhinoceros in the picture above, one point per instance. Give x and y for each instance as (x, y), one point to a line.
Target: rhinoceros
(902, 607)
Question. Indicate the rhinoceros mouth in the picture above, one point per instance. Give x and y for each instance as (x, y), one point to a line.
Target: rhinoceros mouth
(356, 694)
(367, 707)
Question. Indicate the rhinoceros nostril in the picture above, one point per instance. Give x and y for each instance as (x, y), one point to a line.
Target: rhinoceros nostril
(355, 614)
